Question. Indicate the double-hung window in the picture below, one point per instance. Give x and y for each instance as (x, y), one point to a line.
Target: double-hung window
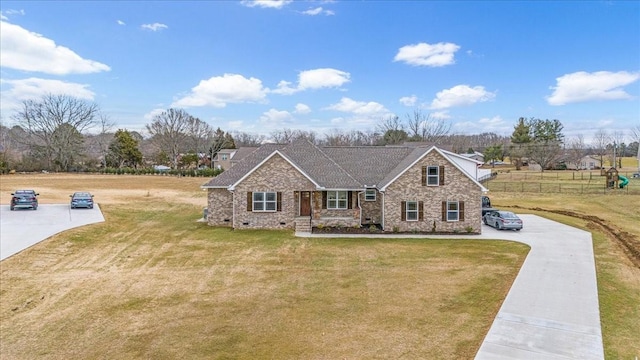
(265, 201)
(433, 175)
(370, 195)
(453, 211)
(337, 199)
(411, 210)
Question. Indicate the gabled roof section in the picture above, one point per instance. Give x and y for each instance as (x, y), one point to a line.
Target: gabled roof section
(416, 156)
(275, 153)
(320, 167)
(242, 167)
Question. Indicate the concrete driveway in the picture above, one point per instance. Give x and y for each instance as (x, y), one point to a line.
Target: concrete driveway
(20, 229)
(552, 309)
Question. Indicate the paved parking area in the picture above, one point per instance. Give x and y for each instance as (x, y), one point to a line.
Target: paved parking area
(20, 229)
(552, 309)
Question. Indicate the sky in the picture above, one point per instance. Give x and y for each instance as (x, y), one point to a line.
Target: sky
(262, 66)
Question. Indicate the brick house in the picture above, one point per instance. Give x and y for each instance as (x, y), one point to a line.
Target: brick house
(300, 186)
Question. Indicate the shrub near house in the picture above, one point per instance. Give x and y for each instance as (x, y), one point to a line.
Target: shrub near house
(301, 185)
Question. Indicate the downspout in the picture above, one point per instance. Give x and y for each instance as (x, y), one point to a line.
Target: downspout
(383, 212)
(233, 209)
(360, 207)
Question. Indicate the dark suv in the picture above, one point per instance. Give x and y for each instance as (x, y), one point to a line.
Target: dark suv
(24, 199)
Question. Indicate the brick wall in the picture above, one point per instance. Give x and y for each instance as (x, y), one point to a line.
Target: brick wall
(220, 209)
(457, 187)
(275, 175)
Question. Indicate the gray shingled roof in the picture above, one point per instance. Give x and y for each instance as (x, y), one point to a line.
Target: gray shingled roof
(240, 168)
(330, 167)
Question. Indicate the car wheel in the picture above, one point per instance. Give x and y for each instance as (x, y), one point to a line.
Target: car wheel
(518, 229)
(91, 207)
(12, 208)
(485, 221)
(498, 226)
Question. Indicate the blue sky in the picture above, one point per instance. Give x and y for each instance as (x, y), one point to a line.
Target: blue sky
(259, 66)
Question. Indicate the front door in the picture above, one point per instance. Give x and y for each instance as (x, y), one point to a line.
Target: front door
(305, 203)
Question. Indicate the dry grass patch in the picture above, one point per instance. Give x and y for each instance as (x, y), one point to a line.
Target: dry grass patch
(151, 282)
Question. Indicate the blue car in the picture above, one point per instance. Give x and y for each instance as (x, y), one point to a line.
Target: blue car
(81, 200)
(24, 199)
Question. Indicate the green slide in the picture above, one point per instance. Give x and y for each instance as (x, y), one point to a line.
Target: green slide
(623, 181)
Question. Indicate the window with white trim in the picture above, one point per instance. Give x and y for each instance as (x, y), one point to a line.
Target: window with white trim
(337, 199)
(265, 201)
(370, 195)
(453, 211)
(433, 175)
(411, 210)
(224, 156)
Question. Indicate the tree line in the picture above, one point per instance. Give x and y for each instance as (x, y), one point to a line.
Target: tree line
(63, 133)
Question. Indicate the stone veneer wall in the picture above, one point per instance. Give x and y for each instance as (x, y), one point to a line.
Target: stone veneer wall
(457, 187)
(220, 207)
(275, 175)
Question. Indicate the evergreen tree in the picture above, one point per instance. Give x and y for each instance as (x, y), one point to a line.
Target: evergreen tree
(123, 150)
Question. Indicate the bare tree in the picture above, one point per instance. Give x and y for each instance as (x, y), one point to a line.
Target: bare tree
(576, 151)
(635, 133)
(168, 132)
(243, 139)
(423, 127)
(393, 131)
(199, 134)
(599, 145)
(286, 136)
(52, 125)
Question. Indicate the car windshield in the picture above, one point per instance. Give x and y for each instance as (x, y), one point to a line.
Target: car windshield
(81, 196)
(508, 215)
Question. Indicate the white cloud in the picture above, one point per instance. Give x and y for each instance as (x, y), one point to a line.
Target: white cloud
(440, 115)
(218, 91)
(154, 26)
(273, 4)
(424, 54)
(359, 107)
(24, 50)
(153, 113)
(409, 100)
(35, 88)
(583, 86)
(318, 11)
(461, 95)
(302, 109)
(275, 118)
(120, 22)
(492, 123)
(314, 79)
(322, 78)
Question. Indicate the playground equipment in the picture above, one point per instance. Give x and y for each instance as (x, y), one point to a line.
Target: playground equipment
(615, 180)
(623, 181)
(612, 178)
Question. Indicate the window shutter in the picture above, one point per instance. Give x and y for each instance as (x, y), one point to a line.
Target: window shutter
(424, 176)
(403, 211)
(441, 174)
(444, 211)
(349, 195)
(461, 210)
(279, 201)
(420, 210)
(249, 201)
(324, 199)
